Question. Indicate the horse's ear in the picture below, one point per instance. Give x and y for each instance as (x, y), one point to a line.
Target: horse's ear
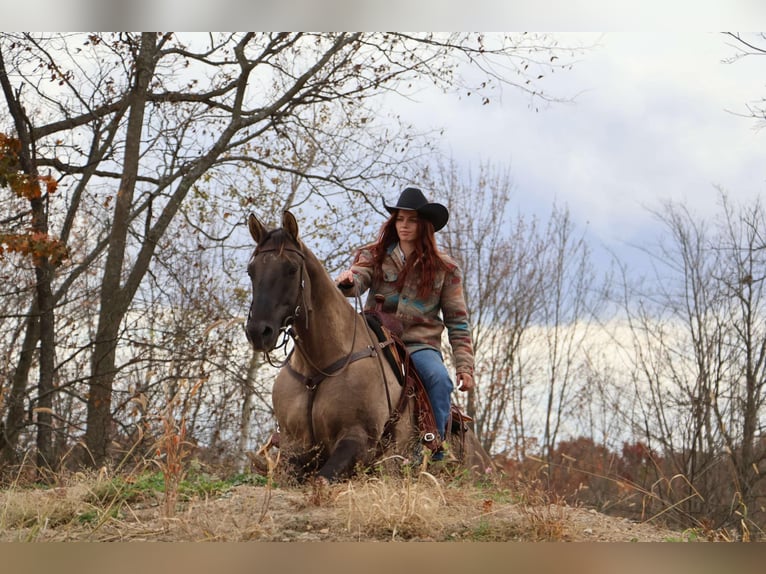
(257, 230)
(290, 224)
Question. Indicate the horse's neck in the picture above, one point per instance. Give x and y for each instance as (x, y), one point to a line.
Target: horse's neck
(332, 323)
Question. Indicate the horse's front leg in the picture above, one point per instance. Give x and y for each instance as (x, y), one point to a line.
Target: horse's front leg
(353, 448)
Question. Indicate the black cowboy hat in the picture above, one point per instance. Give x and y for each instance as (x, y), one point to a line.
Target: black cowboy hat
(412, 199)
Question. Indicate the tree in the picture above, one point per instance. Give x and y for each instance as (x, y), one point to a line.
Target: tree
(18, 171)
(745, 48)
(530, 290)
(570, 299)
(137, 127)
(498, 257)
(700, 357)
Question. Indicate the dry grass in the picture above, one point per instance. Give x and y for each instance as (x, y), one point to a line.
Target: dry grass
(415, 505)
(393, 508)
(40, 509)
(34, 513)
(172, 450)
(545, 520)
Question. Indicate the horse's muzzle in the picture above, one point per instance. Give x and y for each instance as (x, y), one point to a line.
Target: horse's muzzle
(262, 336)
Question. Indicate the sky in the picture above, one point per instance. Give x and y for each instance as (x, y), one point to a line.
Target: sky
(653, 118)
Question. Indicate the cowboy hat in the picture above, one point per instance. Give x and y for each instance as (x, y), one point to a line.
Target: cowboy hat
(412, 199)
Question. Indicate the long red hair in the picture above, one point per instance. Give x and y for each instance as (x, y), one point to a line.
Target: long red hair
(426, 253)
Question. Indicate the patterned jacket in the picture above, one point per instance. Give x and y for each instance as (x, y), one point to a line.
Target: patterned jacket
(423, 319)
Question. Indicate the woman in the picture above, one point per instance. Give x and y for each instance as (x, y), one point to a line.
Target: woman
(423, 288)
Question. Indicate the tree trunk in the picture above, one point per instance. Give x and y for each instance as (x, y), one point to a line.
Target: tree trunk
(247, 409)
(14, 420)
(44, 272)
(114, 303)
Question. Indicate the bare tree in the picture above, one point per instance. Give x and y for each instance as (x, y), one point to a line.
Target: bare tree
(700, 357)
(752, 45)
(500, 277)
(569, 295)
(739, 405)
(530, 291)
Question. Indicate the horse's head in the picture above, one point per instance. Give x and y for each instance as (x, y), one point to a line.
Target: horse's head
(277, 273)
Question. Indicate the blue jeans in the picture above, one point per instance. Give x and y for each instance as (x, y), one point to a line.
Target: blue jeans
(430, 366)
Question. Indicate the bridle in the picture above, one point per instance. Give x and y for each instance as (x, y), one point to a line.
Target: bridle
(286, 328)
(288, 332)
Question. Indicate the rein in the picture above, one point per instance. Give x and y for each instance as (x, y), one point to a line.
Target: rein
(288, 331)
(333, 370)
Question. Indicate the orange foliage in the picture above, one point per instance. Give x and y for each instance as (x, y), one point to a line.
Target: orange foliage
(36, 244)
(50, 184)
(11, 175)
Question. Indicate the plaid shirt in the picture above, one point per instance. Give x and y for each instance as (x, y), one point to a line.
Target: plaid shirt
(423, 319)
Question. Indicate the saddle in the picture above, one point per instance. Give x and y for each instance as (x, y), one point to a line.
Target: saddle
(388, 328)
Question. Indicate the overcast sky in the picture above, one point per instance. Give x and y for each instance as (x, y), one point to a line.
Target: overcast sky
(653, 119)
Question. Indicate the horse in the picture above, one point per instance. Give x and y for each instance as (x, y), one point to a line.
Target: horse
(339, 405)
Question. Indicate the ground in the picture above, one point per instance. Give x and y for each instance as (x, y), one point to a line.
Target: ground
(422, 507)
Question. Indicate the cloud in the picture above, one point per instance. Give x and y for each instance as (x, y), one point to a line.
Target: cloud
(649, 124)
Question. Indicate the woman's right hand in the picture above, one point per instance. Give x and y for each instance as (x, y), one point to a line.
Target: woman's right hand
(345, 279)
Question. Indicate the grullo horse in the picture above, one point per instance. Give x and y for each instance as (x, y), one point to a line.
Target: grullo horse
(336, 400)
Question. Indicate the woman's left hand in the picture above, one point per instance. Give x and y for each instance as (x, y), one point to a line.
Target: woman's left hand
(464, 382)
